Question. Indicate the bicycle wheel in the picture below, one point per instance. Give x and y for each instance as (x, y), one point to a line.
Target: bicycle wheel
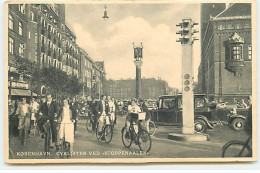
(152, 128)
(234, 149)
(126, 137)
(144, 141)
(89, 126)
(98, 134)
(108, 133)
(62, 148)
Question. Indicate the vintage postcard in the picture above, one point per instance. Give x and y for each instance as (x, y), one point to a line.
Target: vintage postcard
(130, 81)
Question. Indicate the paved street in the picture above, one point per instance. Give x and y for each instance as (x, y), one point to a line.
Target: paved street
(87, 146)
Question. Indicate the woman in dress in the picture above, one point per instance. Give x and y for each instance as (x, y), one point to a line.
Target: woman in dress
(112, 108)
(66, 124)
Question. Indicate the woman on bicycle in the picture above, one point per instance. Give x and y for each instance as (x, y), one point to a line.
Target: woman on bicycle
(112, 108)
(66, 123)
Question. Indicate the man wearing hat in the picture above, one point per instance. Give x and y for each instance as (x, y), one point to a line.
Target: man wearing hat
(144, 107)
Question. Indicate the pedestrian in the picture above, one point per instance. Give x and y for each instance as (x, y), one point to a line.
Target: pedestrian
(34, 109)
(49, 111)
(66, 120)
(75, 111)
(91, 111)
(116, 109)
(23, 112)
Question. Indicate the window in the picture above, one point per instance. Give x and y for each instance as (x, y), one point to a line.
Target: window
(22, 8)
(236, 53)
(230, 25)
(247, 24)
(20, 28)
(250, 52)
(21, 47)
(11, 45)
(221, 26)
(168, 103)
(238, 26)
(32, 17)
(10, 22)
(35, 57)
(199, 103)
(36, 37)
(29, 35)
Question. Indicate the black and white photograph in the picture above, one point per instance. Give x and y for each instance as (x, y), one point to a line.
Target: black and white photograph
(130, 81)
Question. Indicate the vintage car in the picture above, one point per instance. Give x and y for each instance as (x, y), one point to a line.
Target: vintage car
(206, 115)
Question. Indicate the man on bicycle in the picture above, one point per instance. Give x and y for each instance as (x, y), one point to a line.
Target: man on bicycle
(23, 112)
(144, 107)
(102, 108)
(49, 111)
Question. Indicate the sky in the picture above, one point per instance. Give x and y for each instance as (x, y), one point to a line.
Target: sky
(152, 24)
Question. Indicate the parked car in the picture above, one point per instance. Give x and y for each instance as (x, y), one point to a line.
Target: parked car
(152, 104)
(170, 111)
(236, 121)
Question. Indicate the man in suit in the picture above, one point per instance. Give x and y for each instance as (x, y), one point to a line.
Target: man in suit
(49, 111)
(102, 110)
(74, 106)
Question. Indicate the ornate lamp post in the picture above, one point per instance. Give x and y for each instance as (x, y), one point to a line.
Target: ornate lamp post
(138, 56)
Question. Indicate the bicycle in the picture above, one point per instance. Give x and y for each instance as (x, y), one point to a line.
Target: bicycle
(35, 131)
(64, 147)
(89, 123)
(141, 138)
(152, 128)
(237, 149)
(23, 131)
(47, 138)
(107, 130)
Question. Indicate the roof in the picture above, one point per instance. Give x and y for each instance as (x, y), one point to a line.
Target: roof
(237, 9)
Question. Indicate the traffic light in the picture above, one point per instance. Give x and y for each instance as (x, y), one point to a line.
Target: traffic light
(187, 31)
(187, 82)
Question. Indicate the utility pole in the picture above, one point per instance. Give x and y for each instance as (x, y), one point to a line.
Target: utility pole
(138, 56)
(187, 41)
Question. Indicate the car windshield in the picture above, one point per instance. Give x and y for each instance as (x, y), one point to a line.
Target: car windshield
(168, 103)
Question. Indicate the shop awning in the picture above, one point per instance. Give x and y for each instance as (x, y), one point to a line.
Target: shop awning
(21, 92)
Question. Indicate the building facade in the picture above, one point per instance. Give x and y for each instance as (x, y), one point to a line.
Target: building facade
(225, 71)
(38, 33)
(125, 89)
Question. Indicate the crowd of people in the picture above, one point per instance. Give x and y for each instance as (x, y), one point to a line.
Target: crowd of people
(62, 115)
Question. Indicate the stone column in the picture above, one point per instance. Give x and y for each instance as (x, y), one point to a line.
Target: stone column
(138, 64)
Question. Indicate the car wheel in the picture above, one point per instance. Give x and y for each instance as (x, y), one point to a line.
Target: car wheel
(238, 124)
(200, 126)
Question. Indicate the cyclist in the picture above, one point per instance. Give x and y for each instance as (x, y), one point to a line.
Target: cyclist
(132, 108)
(112, 108)
(49, 111)
(102, 110)
(23, 112)
(66, 120)
(145, 123)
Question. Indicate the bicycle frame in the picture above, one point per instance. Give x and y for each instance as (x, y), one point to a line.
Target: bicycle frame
(246, 144)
